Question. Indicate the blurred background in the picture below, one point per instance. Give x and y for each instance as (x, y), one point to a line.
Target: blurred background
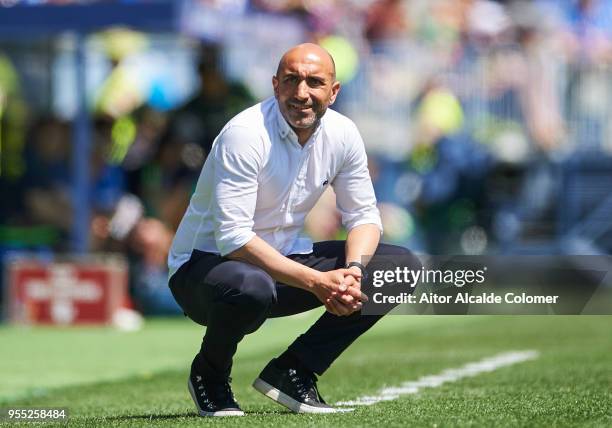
(488, 126)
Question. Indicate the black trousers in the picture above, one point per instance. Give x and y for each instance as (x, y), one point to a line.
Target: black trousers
(234, 298)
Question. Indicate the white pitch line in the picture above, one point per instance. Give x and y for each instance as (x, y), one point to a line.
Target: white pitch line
(446, 376)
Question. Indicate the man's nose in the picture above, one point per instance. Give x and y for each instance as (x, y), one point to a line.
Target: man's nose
(301, 92)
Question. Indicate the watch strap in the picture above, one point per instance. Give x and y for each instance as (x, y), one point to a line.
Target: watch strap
(362, 268)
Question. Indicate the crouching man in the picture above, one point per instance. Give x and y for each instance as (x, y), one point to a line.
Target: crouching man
(239, 255)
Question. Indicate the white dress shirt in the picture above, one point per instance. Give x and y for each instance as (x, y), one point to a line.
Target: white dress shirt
(258, 180)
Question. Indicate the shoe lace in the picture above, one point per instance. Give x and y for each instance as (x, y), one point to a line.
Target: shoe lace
(223, 389)
(306, 384)
(219, 391)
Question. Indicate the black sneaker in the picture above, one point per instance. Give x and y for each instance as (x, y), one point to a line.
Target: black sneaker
(295, 389)
(213, 398)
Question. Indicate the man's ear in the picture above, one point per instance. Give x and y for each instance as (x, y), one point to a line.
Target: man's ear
(275, 85)
(334, 92)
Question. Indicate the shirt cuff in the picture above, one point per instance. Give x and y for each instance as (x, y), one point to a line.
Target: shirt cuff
(229, 243)
(374, 221)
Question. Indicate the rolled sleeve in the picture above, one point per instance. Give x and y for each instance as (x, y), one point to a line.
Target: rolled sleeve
(236, 169)
(355, 196)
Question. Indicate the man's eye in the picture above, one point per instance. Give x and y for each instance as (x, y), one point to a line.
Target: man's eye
(314, 82)
(291, 79)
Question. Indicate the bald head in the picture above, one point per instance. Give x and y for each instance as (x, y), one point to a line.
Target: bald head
(309, 52)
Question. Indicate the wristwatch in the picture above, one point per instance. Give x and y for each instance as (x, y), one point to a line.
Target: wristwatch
(362, 268)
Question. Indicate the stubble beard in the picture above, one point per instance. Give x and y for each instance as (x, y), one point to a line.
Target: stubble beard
(305, 122)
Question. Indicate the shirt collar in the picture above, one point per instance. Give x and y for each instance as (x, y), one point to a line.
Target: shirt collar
(283, 127)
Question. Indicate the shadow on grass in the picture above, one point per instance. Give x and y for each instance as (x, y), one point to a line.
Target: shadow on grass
(150, 417)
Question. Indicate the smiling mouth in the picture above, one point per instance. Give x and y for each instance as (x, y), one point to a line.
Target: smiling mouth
(300, 107)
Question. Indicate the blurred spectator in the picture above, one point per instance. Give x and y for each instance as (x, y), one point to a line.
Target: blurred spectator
(146, 242)
(192, 129)
(539, 98)
(451, 168)
(386, 20)
(199, 120)
(47, 179)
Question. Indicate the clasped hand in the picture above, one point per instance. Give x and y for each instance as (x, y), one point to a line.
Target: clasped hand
(340, 291)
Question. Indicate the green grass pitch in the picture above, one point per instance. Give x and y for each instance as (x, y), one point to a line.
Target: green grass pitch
(109, 378)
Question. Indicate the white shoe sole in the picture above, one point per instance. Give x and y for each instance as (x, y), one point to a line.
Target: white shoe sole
(205, 413)
(280, 397)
